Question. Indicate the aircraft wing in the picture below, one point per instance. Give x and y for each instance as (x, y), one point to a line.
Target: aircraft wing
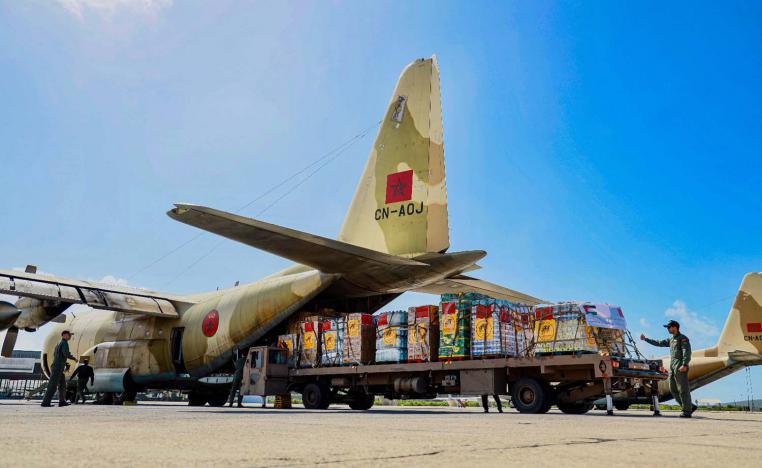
(326, 255)
(95, 295)
(464, 284)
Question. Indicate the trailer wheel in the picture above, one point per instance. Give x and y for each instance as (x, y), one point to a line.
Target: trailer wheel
(316, 395)
(218, 399)
(362, 401)
(577, 407)
(196, 399)
(530, 396)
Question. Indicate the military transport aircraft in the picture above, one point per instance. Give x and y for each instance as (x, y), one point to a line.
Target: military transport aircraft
(395, 238)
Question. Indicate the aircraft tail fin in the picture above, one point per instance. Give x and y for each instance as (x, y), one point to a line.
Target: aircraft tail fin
(743, 327)
(400, 205)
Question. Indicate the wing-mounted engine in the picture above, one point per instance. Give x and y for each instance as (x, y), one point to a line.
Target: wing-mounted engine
(44, 298)
(29, 315)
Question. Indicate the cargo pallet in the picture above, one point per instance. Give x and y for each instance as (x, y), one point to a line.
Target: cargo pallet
(570, 381)
(563, 353)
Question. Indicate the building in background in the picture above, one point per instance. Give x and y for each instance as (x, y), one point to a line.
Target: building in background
(20, 374)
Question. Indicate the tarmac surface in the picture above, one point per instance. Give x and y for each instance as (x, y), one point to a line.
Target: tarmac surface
(164, 434)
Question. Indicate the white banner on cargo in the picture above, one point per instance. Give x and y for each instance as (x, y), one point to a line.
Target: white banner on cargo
(605, 316)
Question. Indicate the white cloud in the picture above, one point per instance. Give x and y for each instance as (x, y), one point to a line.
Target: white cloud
(109, 8)
(691, 323)
(113, 280)
(644, 323)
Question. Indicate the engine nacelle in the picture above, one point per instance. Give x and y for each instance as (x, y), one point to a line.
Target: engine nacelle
(8, 315)
(36, 313)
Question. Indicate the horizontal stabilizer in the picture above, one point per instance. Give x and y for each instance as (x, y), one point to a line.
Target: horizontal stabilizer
(745, 357)
(465, 284)
(326, 255)
(96, 295)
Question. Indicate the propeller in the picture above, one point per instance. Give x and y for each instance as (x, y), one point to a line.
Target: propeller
(29, 314)
(10, 341)
(8, 315)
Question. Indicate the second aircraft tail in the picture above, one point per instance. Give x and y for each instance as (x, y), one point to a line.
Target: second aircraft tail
(743, 327)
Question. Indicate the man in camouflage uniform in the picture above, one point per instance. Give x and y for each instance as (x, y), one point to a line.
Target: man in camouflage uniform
(83, 373)
(235, 386)
(680, 357)
(57, 378)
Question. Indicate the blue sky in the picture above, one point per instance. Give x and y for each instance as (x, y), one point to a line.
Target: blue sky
(605, 151)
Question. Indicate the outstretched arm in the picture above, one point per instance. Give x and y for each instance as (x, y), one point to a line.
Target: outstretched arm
(659, 343)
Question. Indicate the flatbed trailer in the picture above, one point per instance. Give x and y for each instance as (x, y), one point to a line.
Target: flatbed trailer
(570, 381)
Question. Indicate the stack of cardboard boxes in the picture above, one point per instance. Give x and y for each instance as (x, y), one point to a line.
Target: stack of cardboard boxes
(309, 342)
(455, 330)
(358, 339)
(572, 327)
(423, 333)
(331, 342)
(391, 336)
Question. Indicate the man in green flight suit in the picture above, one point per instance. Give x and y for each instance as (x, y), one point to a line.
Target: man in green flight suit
(680, 357)
(57, 378)
(235, 386)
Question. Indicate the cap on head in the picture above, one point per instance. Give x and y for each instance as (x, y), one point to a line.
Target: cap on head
(66, 332)
(672, 323)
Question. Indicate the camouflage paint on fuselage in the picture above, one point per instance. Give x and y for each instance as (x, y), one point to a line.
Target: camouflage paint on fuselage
(142, 344)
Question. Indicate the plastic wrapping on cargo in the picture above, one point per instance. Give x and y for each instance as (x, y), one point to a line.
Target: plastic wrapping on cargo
(522, 339)
(487, 328)
(358, 339)
(391, 336)
(499, 329)
(290, 342)
(423, 333)
(331, 342)
(566, 328)
(309, 342)
(455, 330)
(610, 341)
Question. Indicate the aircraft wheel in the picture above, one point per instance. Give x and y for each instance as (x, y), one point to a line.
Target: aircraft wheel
(622, 406)
(104, 399)
(530, 396)
(127, 395)
(578, 407)
(316, 395)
